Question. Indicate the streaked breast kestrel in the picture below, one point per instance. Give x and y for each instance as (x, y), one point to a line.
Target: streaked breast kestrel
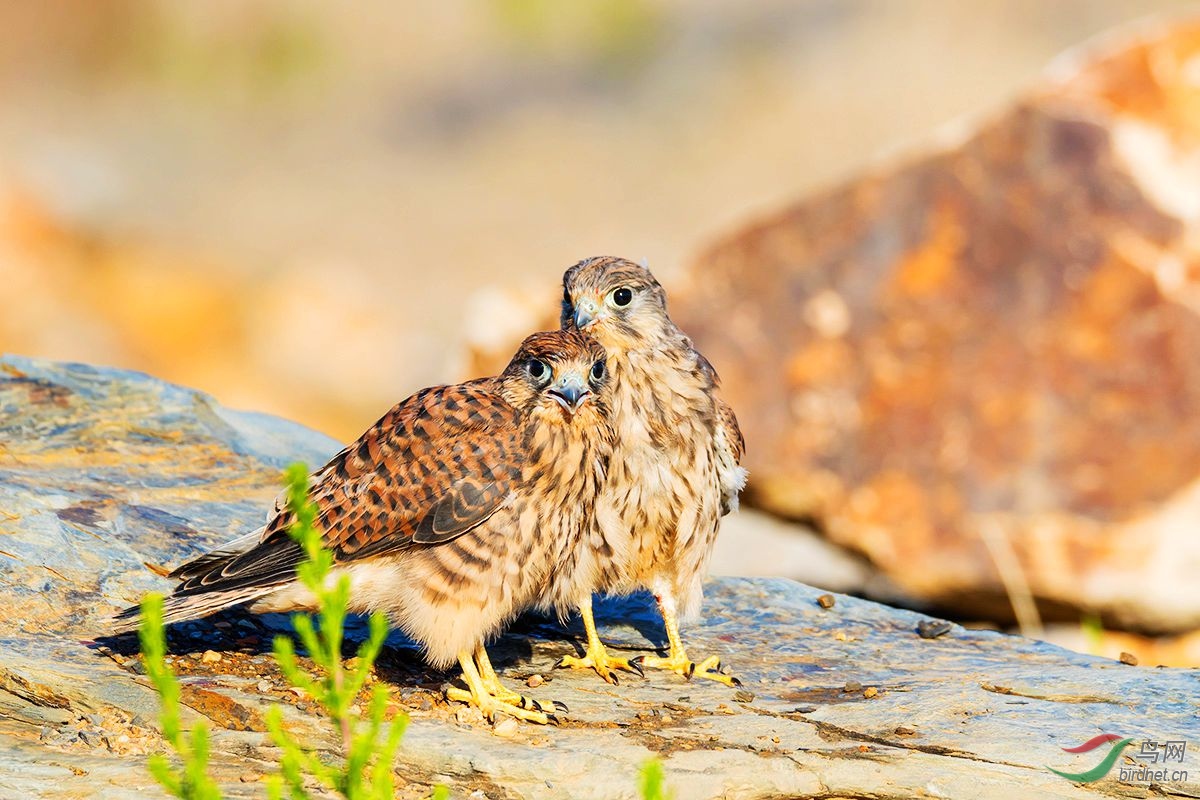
(449, 514)
(676, 466)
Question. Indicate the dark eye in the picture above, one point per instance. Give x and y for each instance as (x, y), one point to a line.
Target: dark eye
(538, 371)
(622, 296)
(598, 372)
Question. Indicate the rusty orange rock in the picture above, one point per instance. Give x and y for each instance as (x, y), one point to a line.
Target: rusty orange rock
(1000, 336)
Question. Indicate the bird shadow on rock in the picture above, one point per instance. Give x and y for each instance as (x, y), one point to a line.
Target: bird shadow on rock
(629, 622)
(237, 633)
(626, 622)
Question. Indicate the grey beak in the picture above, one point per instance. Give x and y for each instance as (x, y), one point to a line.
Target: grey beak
(586, 312)
(569, 392)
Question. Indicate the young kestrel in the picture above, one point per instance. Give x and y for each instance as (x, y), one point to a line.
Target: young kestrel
(448, 514)
(675, 469)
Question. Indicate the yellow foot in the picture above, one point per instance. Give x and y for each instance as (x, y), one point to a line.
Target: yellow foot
(511, 704)
(506, 695)
(709, 668)
(604, 664)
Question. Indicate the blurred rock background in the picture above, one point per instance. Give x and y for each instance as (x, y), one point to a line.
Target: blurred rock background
(312, 209)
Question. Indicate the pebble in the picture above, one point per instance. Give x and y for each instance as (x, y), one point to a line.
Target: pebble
(534, 681)
(932, 628)
(870, 692)
(1129, 658)
(904, 730)
(852, 686)
(210, 657)
(249, 777)
(826, 601)
(506, 727)
(743, 696)
(466, 715)
(263, 686)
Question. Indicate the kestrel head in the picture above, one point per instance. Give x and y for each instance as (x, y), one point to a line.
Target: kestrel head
(559, 377)
(616, 301)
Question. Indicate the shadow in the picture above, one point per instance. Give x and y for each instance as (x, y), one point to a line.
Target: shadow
(636, 611)
(236, 630)
(229, 630)
(401, 662)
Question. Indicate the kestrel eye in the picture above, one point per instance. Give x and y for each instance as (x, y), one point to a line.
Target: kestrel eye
(622, 296)
(598, 372)
(538, 370)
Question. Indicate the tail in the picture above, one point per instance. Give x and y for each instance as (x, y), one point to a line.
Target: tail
(239, 572)
(181, 608)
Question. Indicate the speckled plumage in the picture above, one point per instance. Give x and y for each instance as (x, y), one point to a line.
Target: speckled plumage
(449, 513)
(676, 465)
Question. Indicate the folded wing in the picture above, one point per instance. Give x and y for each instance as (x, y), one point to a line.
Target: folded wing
(434, 467)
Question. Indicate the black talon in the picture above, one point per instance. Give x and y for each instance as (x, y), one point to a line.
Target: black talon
(536, 706)
(553, 720)
(691, 669)
(561, 706)
(734, 681)
(635, 664)
(612, 678)
(561, 663)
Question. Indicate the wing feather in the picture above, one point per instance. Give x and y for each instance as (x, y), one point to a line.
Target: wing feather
(433, 468)
(733, 432)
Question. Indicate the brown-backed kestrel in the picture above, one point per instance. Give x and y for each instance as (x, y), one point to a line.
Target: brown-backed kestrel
(448, 514)
(675, 468)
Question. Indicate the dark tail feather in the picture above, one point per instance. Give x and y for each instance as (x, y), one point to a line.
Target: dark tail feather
(226, 577)
(215, 558)
(181, 608)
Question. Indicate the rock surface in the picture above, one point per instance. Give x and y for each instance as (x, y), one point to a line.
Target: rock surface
(991, 353)
(105, 476)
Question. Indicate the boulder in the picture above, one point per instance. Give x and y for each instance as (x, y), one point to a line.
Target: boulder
(107, 477)
(982, 366)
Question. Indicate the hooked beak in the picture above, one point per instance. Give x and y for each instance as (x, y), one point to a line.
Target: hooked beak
(570, 391)
(587, 311)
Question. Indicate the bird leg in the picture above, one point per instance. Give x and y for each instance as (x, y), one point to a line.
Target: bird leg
(491, 682)
(677, 660)
(597, 656)
(485, 692)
